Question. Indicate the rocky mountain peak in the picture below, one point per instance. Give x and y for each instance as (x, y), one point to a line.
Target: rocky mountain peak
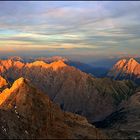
(37, 63)
(55, 65)
(58, 64)
(9, 91)
(132, 62)
(28, 113)
(124, 69)
(120, 63)
(132, 59)
(18, 83)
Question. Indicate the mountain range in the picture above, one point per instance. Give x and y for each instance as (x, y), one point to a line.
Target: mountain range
(55, 89)
(72, 89)
(98, 71)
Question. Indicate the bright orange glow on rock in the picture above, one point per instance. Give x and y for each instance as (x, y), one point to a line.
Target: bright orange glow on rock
(7, 92)
(126, 68)
(2, 82)
(54, 65)
(37, 63)
(58, 64)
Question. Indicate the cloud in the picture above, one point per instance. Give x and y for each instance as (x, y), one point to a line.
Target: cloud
(70, 25)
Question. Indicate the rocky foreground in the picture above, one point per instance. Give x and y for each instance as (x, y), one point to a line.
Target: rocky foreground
(27, 113)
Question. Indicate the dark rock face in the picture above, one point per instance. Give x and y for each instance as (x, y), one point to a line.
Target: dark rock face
(125, 122)
(26, 113)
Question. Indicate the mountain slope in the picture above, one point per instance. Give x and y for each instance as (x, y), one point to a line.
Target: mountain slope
(73, 90)
(126, 69)
(27, 113)
(125, 123)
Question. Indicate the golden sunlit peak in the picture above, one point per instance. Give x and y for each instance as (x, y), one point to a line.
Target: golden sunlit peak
(37, 63)
(123, 60)
(18, 82)
(120, 63)
(55, 65)
(7, 92)
(133, 63)
(2, 82)
(132, 60)
(58, 64)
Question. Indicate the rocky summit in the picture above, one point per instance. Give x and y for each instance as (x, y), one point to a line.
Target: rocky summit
(126, 69)
(27, 113)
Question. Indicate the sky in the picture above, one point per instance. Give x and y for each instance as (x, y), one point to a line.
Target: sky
(80, 29)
